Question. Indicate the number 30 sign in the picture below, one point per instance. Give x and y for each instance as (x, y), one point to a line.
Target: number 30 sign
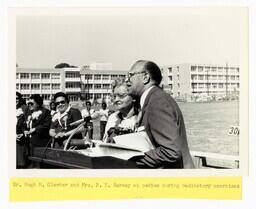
(234, 131)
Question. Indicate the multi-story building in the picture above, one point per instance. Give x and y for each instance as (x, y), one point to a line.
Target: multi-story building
(190, 81)
(77, 83)
(96, 84)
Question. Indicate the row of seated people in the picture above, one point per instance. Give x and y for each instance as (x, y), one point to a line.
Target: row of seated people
(38, 127)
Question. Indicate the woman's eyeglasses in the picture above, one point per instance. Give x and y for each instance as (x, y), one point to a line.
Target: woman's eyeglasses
(121, 96)
(60, 102)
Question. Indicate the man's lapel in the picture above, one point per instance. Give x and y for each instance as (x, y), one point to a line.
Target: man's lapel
(146, 103)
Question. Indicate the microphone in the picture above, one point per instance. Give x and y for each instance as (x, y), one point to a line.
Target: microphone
(78, 122)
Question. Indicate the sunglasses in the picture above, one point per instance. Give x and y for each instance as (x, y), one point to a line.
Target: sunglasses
(31, 103)
(60, 102)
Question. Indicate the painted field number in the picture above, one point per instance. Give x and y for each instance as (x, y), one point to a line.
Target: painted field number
(234, 131)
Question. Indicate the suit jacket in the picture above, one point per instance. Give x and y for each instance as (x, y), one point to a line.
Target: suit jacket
(164, 124)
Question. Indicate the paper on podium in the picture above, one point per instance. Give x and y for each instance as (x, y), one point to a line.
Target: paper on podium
(138, 141)
(126, 146)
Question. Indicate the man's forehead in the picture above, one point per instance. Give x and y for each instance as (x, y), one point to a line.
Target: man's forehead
(137, 67)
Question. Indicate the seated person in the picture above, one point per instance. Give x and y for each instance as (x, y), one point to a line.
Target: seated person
(125, 118)
(60, 126)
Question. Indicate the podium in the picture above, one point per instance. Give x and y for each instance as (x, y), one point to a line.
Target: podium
(57, 158)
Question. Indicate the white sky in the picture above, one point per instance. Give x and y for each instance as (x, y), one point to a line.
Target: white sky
(207, 36)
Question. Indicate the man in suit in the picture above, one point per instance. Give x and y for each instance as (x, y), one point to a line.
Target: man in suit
(161, 117)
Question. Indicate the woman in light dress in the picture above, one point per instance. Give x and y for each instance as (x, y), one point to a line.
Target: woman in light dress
(125, 118)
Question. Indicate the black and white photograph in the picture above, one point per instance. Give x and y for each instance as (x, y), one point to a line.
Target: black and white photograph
(131, 88)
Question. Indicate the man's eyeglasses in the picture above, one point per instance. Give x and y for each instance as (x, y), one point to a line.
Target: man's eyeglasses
(60, 102)
(130, 74)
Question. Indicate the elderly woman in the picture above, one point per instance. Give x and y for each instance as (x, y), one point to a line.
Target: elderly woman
(125, 119)
(38, 123)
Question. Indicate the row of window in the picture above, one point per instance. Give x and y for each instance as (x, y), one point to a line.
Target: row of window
(35, 86)
(103, 77)
(214, 86)
(97, 86)
(214, 77)
(214, 69)
(38, 75)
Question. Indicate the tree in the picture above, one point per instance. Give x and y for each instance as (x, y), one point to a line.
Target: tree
(63, 65)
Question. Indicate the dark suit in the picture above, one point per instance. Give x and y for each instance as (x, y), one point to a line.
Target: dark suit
(164, 124)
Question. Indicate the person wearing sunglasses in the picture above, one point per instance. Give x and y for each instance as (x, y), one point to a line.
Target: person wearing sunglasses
(161, 117)
(124, 119)
(61, 121)
(39, 123)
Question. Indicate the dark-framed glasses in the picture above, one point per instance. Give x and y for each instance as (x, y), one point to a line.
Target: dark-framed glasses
(60, 102)
(31, 103)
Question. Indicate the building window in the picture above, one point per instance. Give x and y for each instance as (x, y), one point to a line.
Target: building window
(214, 69)
(97, 96)
(35, 75)
(214, 77)
(72, 75)
(220, 85)
(232, 77)
(170, 86)
(88, 85)
(105, 77)
(193, 68)
(97, 77)
(200, 77)
(200, 85)
(17, 86)
(97, 86)
(200, 69)
(193, 77)
(72, 85)
(45, 75)
(17, 75)
(90, 96)
(113, 77)
(122, 76)
(24, 86)
(46, 86)
(106, 86)
(170, 70)
(214, 85)
(170, 78)
(26, 96)
(35, 86)
(55, 86)
(55, 76)
(46, 96)
(220, 77)
(237, 70)
(88, 77)
(178, 77)
(220, 69)
(24, 75)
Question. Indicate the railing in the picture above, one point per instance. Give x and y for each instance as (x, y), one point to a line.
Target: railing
(201, 158)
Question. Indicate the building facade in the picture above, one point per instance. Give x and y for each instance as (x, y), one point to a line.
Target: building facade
(197, 81)
(77, 83)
